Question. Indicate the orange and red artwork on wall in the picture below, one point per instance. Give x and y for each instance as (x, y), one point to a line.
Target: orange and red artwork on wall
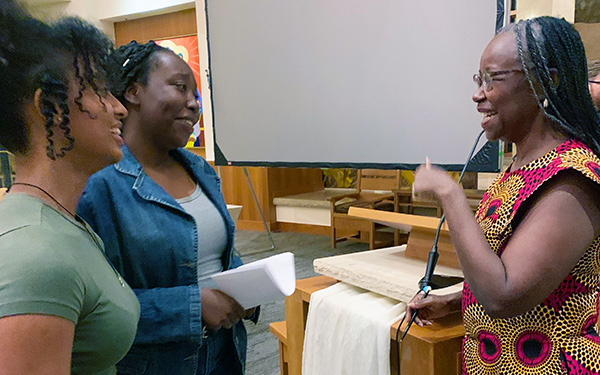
(186, 47)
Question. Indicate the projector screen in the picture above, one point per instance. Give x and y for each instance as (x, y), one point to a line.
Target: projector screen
(345, 83)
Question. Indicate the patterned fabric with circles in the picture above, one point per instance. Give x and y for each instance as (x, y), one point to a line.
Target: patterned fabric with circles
(560, 335)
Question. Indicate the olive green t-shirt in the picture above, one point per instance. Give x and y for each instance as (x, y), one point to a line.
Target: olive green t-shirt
(50, 264)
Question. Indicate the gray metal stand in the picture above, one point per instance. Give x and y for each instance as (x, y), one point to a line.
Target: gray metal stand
(262, 217)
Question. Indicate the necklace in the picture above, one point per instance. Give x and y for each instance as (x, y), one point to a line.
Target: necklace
(76, 217)
(79, 220)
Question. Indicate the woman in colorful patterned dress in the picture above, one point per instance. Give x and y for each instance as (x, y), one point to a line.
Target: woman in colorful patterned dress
(531, 256)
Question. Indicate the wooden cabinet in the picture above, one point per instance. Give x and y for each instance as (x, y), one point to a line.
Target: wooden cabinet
(433, 350)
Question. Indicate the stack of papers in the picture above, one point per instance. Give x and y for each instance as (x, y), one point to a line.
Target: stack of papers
(259, 282)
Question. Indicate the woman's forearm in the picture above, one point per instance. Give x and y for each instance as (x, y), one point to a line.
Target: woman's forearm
(482, 268)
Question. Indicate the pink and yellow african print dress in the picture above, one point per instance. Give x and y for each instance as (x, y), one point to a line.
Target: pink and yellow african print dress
(558, 336)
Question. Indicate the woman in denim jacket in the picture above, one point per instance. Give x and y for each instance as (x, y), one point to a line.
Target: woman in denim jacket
(165, 224)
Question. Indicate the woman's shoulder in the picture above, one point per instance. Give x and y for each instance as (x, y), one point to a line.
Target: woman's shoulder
(571, 155)
(576, 156)
(46, 241)
(44, 276)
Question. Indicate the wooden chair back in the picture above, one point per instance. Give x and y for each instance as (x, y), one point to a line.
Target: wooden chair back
(376, 179)
(374, 190)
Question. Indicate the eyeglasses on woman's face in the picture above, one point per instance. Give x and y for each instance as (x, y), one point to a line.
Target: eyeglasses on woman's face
(486, 78)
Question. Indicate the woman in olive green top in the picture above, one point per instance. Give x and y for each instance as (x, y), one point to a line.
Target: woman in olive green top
(63, 308)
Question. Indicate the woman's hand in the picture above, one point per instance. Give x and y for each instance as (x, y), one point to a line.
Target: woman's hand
(432, 183)
(220, 310)
(433, 307)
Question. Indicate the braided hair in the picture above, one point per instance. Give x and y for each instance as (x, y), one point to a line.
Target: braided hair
(548, 46)
(131, 63)
(24, 44)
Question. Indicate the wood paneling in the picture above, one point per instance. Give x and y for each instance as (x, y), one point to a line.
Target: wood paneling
(268, 183)
(289, 181)
(162, 26)
(237, 191)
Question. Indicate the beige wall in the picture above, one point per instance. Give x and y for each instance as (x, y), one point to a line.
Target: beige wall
(87, 9)
(590, 34)
(557, 8)
(104, 13)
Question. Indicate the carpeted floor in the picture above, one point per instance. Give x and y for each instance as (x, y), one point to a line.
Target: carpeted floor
(263, 350)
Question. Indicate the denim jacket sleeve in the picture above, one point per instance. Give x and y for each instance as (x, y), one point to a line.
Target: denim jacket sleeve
(169, 314)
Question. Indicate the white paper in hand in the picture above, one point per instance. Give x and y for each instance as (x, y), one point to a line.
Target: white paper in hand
(259, 282)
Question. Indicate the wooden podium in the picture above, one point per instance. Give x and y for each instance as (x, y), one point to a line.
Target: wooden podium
(433, 350)
(429, 350)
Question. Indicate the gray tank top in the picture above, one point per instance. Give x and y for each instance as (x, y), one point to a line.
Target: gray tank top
(212, 235)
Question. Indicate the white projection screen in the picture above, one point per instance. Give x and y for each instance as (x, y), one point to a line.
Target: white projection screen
(345, 83)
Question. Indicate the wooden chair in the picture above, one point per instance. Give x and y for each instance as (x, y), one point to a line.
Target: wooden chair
(405, 203)
(374, 190)
(279, 330)
(2, 192)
